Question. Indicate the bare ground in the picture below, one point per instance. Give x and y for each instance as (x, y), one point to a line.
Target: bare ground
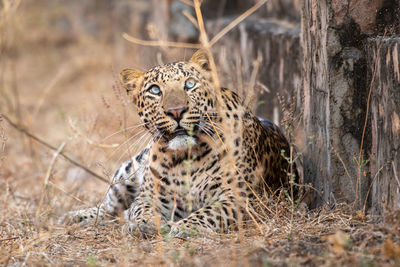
(331, 237)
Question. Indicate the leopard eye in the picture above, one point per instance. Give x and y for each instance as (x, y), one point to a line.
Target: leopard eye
(189, 84)
(155, 90)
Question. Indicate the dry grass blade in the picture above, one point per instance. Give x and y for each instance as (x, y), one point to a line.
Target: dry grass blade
(65, 192)
(205, 43)
(46, 91)
(3, 137)
(252, 217)
(91, 142)
(47, 177)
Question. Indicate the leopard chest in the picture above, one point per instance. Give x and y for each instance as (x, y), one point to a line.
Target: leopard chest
(180, 178)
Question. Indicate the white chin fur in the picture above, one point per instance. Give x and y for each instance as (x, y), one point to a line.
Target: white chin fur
(181, 142)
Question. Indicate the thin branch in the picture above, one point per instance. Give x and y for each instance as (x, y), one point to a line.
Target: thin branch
(37, 139)
(159, 43)
(236, 21)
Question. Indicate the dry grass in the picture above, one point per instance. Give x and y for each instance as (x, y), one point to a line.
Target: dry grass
(330, 237)
(59, 83)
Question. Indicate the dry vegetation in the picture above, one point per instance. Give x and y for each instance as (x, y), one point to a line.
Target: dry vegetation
(58, 81)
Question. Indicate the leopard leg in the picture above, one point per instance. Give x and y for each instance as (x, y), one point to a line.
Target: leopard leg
(122, 193)
(151, 211)
(147, 217)
(220, 216)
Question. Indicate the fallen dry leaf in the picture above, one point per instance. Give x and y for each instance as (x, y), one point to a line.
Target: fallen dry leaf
(339, 242)
(390, 250)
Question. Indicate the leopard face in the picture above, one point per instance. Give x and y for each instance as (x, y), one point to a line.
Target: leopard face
(173, 100)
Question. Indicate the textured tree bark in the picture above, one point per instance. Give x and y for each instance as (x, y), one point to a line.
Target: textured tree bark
(335, 98)
(385, 122)
(338, 66)
(317, 158)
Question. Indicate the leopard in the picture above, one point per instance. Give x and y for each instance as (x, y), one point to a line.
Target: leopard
(209, 157)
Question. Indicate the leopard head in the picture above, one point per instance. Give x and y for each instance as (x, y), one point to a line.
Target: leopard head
(174, 99)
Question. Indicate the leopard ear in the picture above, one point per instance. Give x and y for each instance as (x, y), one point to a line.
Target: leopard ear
(131, 79)
(200, 58)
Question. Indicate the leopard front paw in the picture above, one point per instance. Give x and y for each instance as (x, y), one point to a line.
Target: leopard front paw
(145, 229)
(183, 231)
(140, 229)
(81, 217)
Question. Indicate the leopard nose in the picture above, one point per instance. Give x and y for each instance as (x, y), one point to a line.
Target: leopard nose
(176, 113)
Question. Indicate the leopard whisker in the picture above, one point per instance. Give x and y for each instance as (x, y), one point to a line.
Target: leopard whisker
(217, 126)
(156, 136)
(145, 136)
(208, 132)
(131, 149)
(126, 141)
(131, 128)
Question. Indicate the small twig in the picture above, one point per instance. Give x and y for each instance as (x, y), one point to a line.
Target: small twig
(236, 22)
(53, 161)
(10, 238)
(252, 217)
(370, 187)
(21, 129)
(159, 43)
(256, 66)
(190, 18)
